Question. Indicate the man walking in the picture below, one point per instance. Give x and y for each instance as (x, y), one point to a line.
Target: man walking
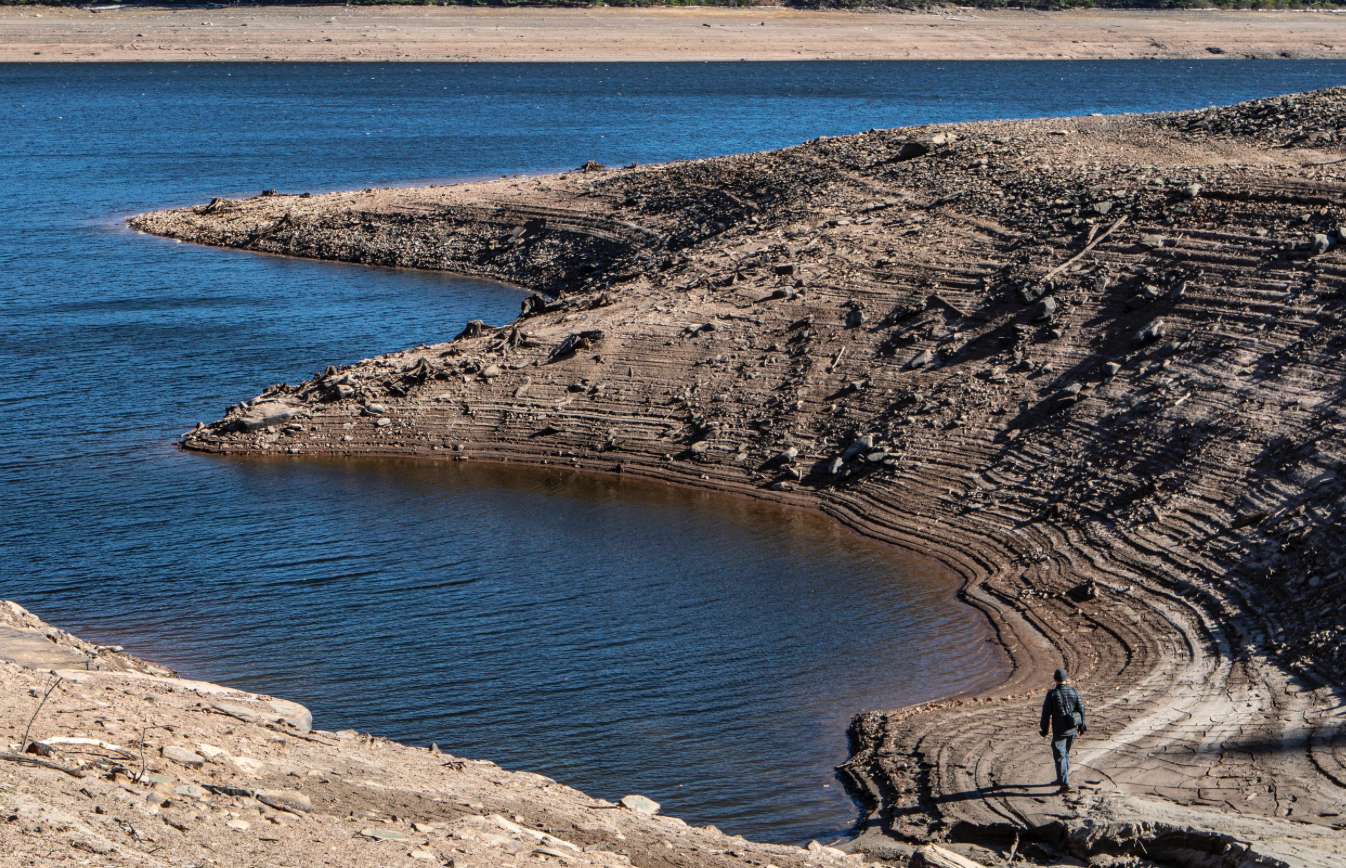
(1064, 711)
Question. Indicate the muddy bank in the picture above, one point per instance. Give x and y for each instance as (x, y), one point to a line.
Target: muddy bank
(426, 33)
(1093, 365)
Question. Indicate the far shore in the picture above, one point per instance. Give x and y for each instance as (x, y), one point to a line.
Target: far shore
(426, 33)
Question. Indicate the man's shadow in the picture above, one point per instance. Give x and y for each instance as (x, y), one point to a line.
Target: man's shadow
(1003, 791)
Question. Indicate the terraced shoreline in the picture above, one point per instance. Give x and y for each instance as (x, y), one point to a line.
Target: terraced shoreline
(1091, 365)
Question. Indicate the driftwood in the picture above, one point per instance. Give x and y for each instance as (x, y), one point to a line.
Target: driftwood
(1090, 246)
(25, 759)
(89, 742)
(932, 856)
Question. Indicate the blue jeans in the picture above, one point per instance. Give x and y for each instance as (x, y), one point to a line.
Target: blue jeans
(1061, 754)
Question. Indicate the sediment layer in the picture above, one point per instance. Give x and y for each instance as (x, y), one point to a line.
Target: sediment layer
(1094, 366)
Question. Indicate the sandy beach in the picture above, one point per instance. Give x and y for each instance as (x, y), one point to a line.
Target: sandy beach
(335, 33)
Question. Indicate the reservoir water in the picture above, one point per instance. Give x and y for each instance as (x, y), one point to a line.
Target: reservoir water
(619, 637)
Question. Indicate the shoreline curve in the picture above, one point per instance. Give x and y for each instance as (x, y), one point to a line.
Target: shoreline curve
(1085, 363)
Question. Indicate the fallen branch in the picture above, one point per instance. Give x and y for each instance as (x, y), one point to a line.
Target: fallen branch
(51, 685)
(27, 760)
(91, 742)
(1090, 246)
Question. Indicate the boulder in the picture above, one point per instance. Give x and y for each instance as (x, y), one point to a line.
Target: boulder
(1320, 244)
(1044, 310)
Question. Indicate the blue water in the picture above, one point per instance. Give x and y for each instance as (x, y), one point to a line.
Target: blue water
(619, 637)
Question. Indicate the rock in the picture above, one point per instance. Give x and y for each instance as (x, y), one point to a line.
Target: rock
(1044, 310)
(1152, 242)
(1111, 368)
(824, 850)
(1153, 331)
(191, 791)
(933, 856)
(246, 766)
(491, 372)
(921, 359)
(834, 466)
(863, 443)
(286, 800)
(182, 756)
(855, 318)
(1103, 208)
(1032, 293)
(265, 415)
(1191, 191)
(640, 804)
(239, 825)
(279, 711)
(383, 834)
(912, 150)
(383, 422)
(424, 855)
(700, 447)
(1320, 244)
(375, 409)
(783, 268)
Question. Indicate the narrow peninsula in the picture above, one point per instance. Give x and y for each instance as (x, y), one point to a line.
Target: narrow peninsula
(1094, 366)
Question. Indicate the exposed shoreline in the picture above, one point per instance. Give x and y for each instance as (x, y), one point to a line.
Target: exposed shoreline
(737, 323)
(233, 778)
(425, 33)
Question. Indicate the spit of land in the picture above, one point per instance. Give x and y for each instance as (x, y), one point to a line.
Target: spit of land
(1095, 366)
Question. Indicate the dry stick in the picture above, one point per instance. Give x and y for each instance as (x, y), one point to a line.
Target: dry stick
(51, 685)
(25, 759)
(1090, 246)
(143, 733)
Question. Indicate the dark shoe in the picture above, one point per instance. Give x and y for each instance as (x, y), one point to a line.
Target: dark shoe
(1065, 789)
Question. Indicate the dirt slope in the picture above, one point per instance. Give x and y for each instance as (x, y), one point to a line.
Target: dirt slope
(230, 778)
(1094, 366)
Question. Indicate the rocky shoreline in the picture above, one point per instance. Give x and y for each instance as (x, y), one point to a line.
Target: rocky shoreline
(129, 765)
(1092, 365)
